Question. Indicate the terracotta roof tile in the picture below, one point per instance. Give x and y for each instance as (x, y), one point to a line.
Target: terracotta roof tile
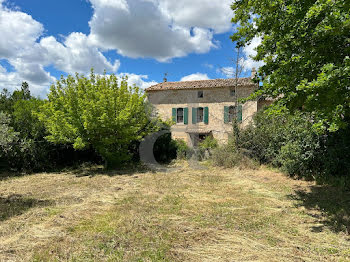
(199, 84)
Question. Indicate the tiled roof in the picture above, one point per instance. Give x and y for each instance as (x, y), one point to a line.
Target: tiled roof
(199, 84)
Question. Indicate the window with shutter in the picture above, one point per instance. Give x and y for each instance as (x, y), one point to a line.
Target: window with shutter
(200, 114)
(180, 115)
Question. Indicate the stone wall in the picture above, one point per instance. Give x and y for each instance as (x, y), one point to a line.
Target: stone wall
(214, 99)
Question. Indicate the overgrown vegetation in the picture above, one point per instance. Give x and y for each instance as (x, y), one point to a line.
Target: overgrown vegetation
(99, 111)
(290, 142)
(305, 48)
(23, 146)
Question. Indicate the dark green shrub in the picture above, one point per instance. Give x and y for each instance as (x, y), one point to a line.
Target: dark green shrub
(183, 151)
(288, 141)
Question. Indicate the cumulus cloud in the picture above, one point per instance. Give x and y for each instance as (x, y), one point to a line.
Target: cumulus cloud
(193, 77)
(18, 32)
(249, 52)
(213, 14)
(158, 29)
(21, 48)
(139, 80)
(13, 80)
(76, 54)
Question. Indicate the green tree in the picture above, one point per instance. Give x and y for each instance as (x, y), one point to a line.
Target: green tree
(305, 47)
(99, 111)
(8, 137)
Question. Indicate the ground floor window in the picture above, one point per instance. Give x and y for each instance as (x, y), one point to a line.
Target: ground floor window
(231, 113)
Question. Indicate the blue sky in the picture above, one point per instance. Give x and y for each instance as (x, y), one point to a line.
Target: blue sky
(141, 38)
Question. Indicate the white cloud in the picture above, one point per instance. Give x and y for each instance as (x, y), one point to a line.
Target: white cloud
(213, 14)
(18, 32)
(249, 52)
(13, 80)
(77, 54)
(20, 46)
(158, 29)
(197, 76)
(139, 80)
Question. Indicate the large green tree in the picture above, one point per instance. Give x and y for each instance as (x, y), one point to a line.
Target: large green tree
(306, 48)
(100, 111)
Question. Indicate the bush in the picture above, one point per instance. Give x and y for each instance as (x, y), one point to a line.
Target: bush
(230, 156)
(183, 151)
(289, 141)
(208, 143)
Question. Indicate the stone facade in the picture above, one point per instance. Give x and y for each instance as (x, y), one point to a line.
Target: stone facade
(217, 97)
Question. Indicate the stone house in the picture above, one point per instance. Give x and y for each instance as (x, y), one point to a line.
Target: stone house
(204, 107)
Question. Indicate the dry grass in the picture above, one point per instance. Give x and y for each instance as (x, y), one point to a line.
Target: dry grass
(211, 214)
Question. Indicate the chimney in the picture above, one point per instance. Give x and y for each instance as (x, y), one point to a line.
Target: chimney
(253, 75)
(165, 80)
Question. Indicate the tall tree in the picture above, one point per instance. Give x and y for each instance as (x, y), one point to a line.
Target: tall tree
(100, 111)
(306, 48)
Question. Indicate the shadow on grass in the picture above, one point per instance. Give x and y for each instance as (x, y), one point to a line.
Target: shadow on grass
(92, 171)
(333, 203)
(15, 205)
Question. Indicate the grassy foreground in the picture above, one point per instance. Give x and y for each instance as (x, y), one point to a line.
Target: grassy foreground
(185, 215)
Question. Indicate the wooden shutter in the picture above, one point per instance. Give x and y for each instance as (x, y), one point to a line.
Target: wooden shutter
(174, 114)
(239, 114)
(186, 116)
(226, 111)
(194, 115)
(206, 115)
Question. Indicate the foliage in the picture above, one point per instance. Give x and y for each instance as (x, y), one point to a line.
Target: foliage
(290, 142)
(208, 143)
(305, 48)
(182, 149)
(229, 156)
(8, 137)
(165, 149)
(99, 111)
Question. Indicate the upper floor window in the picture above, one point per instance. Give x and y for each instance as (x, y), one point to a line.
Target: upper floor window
(200, 114)
(232, 92)
(200, 94)
(180, 115)
(231, 113)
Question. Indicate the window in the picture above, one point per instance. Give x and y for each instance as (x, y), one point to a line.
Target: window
(232, 92)
(200, 114)
(200, 94)
(231, 113)
(180, 115)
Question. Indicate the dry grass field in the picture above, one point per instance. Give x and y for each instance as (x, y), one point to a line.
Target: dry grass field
(211, 214)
